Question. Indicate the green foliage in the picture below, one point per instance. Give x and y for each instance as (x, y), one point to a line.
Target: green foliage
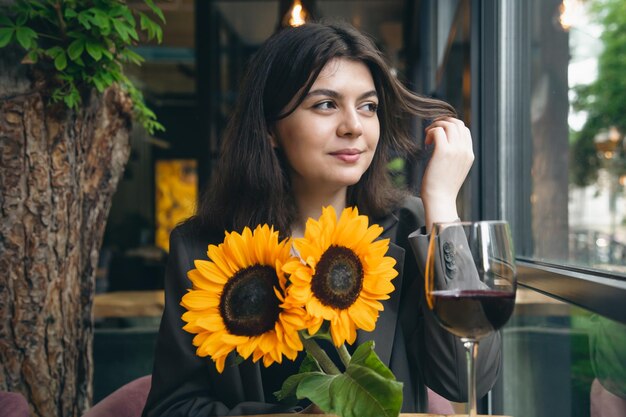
(366, 388)
(86, 42)
(604, 99)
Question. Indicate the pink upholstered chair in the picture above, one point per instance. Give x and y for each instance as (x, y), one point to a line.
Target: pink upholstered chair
(13, 404)
(437, 404)
(129, 400)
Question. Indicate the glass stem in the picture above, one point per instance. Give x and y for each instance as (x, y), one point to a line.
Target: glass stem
(318, 353)
(471, 353)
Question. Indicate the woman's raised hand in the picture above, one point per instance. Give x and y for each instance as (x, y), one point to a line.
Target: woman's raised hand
(447, 169)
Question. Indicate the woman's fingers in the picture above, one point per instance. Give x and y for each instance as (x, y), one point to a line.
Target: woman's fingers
(447, 168)
(454, 129)
(451, 159)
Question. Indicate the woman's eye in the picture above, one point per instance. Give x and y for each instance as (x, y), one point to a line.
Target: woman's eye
(325, 105)
(371, 107)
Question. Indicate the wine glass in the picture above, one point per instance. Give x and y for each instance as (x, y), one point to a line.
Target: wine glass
(470, 284)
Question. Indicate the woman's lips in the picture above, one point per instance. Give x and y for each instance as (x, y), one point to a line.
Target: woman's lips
(347, 155)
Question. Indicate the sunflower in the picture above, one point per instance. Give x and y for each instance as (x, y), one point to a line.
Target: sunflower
(342, 275)
(238, 300)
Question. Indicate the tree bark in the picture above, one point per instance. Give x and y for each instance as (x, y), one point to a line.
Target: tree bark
(550, 169)
(58, 172)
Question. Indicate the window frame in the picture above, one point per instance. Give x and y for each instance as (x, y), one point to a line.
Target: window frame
(500, 51)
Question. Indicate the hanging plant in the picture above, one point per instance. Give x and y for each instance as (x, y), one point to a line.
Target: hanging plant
(83, 44)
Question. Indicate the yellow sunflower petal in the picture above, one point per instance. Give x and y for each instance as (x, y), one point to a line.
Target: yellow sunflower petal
(217, 255)
(245, 349)
(337, 332)
(219, 364)
(199, 281)
(350, 231)
(374, 285)
(363, 316)
(211, 271)
(200, 300)
(237, 249)
(368, 238)
(314, 325)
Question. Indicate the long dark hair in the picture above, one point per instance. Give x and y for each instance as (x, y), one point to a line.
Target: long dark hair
(250, 184)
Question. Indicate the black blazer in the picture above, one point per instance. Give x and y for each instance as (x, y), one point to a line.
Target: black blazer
(417, 350)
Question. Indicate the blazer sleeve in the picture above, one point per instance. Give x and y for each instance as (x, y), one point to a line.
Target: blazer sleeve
(184, 384)
(441, 355)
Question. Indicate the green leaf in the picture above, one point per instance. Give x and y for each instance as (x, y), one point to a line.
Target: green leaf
(94, 49)
(21, 20)
(25, 36)
(70, 13)
(100, 18)
(151, 125)
(6, 34)
(60, 62)
(365, 355)
(122, 29)
(309, 364)
(84, 19)
(72, 99)
(366, 389)
(5, 21)
(76, 48)
(155, 9)
(54, 51)
(290, 386)
(361, 392)
(317, 388)
(153, 29)
(33, 56)
(131, 56)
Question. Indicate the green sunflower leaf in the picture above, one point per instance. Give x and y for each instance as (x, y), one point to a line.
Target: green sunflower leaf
(309, 364)
(366, 389)
(365, 355)
(317, 387)
(290, 386)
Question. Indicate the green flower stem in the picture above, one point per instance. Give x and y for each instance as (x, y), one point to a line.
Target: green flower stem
(344, 354)
(318, 353)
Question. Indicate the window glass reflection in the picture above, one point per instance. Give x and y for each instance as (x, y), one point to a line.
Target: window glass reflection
(578, 121)
(560, 360)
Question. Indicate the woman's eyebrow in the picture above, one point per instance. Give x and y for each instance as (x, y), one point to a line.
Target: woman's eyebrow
(335, 94)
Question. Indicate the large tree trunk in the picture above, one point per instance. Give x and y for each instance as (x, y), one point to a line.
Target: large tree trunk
(58, 172)
(550, 169)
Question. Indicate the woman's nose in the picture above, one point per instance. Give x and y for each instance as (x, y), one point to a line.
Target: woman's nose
(350, 124)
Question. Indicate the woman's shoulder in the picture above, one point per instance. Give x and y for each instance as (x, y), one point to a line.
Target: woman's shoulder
(412, 205)
(192, 231)
(410, 211)
(407, 215)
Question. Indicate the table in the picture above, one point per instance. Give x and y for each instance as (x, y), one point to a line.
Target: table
(129, 304)
(401, 415)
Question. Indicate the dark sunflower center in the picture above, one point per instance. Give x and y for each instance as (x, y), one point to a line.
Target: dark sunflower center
(248, 304)
(338, 278)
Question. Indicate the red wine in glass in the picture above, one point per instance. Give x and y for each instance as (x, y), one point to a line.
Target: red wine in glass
(472, 314)
(470, 283)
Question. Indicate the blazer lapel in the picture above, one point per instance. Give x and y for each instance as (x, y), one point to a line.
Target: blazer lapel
(383, 334)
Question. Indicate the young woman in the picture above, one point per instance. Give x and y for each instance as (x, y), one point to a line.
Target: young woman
(318, 116)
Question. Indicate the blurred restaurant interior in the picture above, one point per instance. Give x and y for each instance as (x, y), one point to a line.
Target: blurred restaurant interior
(526, 76)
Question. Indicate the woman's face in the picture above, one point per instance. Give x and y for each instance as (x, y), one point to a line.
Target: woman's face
(331, 137)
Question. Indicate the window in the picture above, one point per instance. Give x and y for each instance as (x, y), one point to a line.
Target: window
(547, 106)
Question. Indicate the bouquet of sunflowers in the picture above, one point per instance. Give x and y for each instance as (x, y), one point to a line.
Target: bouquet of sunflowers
(266, 299)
